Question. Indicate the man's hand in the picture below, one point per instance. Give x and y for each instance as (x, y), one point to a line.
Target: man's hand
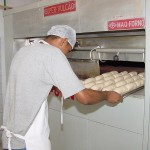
(89, 97)
(113, 97)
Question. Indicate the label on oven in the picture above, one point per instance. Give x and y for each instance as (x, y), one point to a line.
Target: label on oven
(126, 24)
(61, 8)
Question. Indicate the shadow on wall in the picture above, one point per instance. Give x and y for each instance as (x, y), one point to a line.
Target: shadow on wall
(85, 109)
(68, 104)
(0, 143)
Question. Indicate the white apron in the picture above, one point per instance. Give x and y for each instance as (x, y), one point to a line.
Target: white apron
(37, 137)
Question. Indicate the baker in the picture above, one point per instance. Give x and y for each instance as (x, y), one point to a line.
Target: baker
(34, 70)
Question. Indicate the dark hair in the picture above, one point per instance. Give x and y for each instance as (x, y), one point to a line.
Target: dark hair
(52, 37)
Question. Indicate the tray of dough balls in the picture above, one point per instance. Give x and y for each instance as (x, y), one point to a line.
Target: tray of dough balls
(123, 83)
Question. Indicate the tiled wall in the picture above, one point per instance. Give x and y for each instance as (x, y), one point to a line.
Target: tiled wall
(0, 79)
(0, 125)
(81, 134)
(1, 37)
(97, 127)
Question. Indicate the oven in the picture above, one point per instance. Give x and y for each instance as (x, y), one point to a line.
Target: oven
(99, 54)
(104, 44)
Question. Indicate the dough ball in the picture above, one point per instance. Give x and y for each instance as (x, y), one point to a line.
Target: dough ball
(141, 75)
(89, 80)
(121, 90)
(135, 78)
(126, 76)
(106, 74)
(89, 85)
(118, 79)
(129, 80)
(118, 90)
(109, 78)
(139, 82)
(114, 72)
(117, 75)
(109, 88)
(120, 83)
(99, 77)
(142, 82)
(124, 90)
(82, 82)
(97, 87)
(123, 73)
(109, 82)
(131, 86)
(133, 73)
(100, 81)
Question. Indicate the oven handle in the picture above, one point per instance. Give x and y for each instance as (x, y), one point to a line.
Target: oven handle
(91, 52)
(133, 51)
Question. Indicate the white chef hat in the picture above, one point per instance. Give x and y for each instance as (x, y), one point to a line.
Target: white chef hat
(64, 31)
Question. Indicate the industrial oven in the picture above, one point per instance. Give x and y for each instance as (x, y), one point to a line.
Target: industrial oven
(106, 53)
(108, 39)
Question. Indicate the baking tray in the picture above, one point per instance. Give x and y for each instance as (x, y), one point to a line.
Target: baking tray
(133, 91)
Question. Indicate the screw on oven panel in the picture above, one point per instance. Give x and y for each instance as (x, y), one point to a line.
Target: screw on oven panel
(116, 57)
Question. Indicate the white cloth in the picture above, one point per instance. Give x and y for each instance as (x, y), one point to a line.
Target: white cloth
(37, 137)
(9, 135)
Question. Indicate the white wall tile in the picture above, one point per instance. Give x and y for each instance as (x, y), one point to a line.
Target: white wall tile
(102, 137)
(1, 99)
(1, 119)
(73, 135)
(1, 47)
(79, 133)
(1, 122)
(127, 115)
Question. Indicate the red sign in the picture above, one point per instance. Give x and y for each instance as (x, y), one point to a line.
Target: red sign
(136, 23)
(60, 8)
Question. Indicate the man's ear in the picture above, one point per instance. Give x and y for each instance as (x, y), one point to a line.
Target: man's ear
(63, 41)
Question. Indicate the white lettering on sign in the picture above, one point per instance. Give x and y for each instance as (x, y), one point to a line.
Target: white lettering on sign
(136, 23)
(60, 8)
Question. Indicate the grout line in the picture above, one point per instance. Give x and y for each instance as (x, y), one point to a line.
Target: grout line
(99, 122)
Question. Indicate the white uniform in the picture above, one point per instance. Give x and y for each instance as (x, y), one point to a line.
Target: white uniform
(34, 70)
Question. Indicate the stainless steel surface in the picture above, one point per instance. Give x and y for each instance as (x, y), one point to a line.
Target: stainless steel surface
(88, 17)
(127, 51)
(95, 14)
(133, 91)
(130, 46)
(102, 34)
(108, 50)
(85, 68)
(18, 43)
(88, 20)
(121, 54)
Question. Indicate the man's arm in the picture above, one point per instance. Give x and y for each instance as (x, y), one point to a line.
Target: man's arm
(89, 97)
